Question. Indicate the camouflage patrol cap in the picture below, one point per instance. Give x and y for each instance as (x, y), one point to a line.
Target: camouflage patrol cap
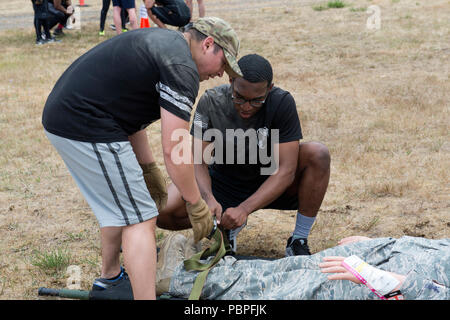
(224, 36)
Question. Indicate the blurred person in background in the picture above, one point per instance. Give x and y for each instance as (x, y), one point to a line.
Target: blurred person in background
(168, 12)
(201, 8)
(124, 5)
(60, 11)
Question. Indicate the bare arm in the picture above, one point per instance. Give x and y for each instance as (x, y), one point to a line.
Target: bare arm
(148, 5)
(334, 265)
(276, 184)
(58, 6)
(141, 148)
(181, 172)
(201, 172)
(156, 20)
(270, 190)
(204, 182)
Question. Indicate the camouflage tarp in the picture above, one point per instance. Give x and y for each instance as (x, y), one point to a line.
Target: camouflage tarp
(426, 263)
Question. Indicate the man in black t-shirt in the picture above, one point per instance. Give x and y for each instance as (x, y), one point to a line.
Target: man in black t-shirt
(96, 117)
(258, 161)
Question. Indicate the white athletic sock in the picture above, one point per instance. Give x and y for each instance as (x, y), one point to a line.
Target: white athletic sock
(303, 225)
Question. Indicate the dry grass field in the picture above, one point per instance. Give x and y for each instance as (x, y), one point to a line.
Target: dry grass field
(379, 99)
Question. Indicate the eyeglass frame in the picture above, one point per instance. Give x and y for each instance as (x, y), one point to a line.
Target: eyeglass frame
(249, 101)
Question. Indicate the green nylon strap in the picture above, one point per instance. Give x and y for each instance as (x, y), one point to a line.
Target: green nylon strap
(193, 264)
(198, 285)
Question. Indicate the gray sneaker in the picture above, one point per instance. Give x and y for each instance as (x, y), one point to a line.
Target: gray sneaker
(52, 40)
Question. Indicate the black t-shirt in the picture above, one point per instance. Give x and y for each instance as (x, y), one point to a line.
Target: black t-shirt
(242, 169)
(117, 88)
(170, 2)
(176, 8)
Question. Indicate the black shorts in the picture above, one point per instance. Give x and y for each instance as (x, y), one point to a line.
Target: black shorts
(230, 194)
(172, 16)
(124, 4)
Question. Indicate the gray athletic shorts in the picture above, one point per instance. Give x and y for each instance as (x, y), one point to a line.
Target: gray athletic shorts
(110, 179)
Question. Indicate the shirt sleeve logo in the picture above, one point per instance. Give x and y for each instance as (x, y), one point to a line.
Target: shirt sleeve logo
(178, 100)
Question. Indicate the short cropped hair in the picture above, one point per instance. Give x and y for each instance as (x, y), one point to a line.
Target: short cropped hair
(198, 36)
(256, 69)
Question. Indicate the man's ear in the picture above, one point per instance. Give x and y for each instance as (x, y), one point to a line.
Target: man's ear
(230, 79)
(271, 86)
(208, 42)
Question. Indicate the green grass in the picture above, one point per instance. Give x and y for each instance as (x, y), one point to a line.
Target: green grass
(319, 8)
(330, 5)
(370, 224)
(54, 262)
(361, 9)
(335, 4)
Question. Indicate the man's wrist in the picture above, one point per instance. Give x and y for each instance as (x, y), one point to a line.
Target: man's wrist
(149, 4)
(246, 208)
(192, 200)
(206, 195)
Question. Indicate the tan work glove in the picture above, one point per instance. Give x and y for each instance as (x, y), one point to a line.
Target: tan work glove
(156, 184)
(201, 219)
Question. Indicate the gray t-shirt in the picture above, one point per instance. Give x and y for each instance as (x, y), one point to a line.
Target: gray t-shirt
(215, 111)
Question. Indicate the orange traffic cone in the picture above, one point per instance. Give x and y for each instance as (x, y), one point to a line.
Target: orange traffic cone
(145, 23)
(81, 3)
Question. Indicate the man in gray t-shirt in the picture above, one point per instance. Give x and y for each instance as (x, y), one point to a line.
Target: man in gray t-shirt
(254, 131)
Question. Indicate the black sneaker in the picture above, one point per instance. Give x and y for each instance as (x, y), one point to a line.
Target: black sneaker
(59, 32)
(298, 247)
(101, 284)
(52, 40)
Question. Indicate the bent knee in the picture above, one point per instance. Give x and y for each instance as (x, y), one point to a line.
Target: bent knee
(317, 154)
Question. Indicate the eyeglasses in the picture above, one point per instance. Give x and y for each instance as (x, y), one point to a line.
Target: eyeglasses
(255, 103)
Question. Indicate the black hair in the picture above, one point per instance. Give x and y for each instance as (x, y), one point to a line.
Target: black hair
(256, 69)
